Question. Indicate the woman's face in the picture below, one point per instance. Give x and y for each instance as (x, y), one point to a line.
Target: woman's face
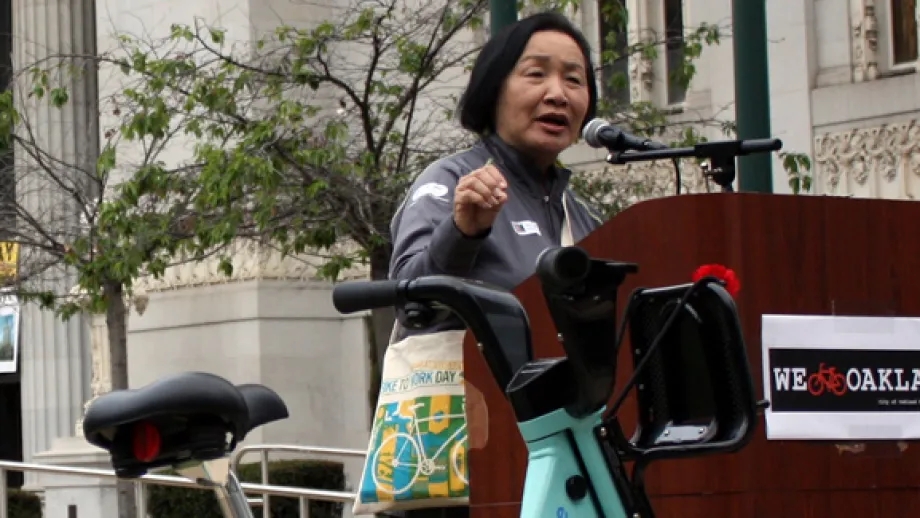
(544, 100)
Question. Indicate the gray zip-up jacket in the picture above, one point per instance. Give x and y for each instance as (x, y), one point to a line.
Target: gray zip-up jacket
(426, 240)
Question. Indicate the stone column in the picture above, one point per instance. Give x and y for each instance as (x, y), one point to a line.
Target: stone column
(55, 355)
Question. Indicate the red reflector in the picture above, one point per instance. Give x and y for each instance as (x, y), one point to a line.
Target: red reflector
(146, 441)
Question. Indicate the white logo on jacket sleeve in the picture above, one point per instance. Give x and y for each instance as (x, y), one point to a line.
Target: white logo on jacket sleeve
(435, 190)
(526, 228)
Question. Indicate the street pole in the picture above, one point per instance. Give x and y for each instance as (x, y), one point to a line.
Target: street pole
(752, 91)
(502, 13)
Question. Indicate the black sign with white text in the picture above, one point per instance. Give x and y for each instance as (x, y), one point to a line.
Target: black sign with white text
(844, 380)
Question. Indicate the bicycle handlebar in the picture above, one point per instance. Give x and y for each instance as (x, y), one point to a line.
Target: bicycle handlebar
(351, 297)
(563, 267)
(494, 315)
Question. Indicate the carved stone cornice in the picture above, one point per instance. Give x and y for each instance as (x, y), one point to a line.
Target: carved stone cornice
(251, 261)
(890, 153)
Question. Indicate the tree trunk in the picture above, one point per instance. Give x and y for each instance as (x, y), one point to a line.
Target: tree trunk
(116, 320)
(380, 327)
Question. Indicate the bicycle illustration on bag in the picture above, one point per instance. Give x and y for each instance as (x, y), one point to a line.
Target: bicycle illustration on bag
(406, 457)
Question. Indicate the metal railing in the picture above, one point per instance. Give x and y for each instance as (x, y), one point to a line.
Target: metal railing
(264, 449)
(264, 489)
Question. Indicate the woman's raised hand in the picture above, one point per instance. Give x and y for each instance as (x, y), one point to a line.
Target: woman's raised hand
(478, 199)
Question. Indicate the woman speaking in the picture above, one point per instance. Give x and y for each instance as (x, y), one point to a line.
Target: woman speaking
(487, 212)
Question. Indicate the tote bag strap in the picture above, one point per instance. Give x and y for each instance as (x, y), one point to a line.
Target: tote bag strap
(568, 238)
(394, 332)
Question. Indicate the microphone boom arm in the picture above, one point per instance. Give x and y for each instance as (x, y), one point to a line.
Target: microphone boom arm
(720, 153)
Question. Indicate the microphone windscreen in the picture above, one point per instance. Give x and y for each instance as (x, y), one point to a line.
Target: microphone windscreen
(591, 131)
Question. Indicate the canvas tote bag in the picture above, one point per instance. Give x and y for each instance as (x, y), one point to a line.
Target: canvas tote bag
(417, 453)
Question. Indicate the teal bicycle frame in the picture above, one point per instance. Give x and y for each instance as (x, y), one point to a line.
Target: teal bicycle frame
(558, 446)
(695, 391)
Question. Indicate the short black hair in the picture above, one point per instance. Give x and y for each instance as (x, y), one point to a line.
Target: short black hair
(498, 58)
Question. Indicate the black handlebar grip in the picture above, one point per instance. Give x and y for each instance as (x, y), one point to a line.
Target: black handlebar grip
(353, 296)
(761, 145)
(563, 267)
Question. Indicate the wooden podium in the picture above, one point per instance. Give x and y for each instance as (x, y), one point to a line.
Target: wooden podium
(794, 255)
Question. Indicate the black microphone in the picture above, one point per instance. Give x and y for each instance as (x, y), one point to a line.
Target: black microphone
(600, 133)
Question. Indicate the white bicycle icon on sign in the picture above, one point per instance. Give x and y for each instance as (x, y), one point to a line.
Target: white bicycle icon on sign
(411, 453)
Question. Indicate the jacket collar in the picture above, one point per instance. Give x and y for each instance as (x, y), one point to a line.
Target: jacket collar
(524, 172)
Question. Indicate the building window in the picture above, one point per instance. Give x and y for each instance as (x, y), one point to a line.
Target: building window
(614, 45)
(903, 31)
(674, 31)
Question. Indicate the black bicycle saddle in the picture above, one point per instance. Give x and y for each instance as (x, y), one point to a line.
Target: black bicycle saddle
(177, 418)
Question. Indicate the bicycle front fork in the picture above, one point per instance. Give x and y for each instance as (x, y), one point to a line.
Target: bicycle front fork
(217, 475)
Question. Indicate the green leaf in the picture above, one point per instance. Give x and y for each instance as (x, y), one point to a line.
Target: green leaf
(226, 266)
(59, 97)
(217, 36)
(106, 161)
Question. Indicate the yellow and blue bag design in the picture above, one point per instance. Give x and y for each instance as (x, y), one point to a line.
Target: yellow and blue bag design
(417, 453)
